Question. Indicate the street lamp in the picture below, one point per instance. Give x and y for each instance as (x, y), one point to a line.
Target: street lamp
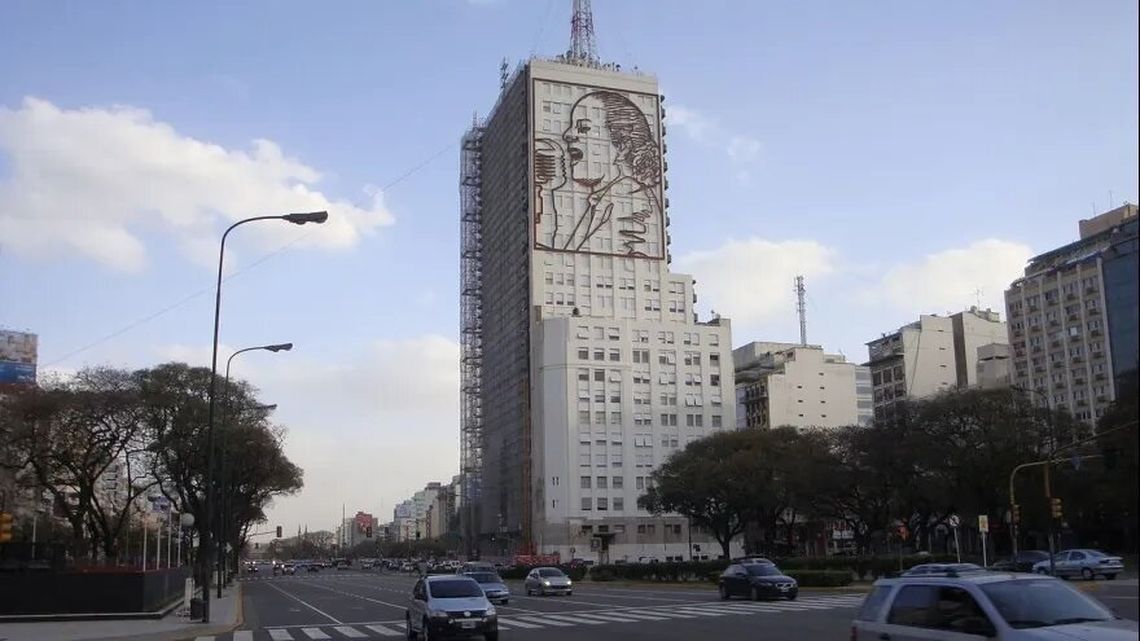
(223, 481)
(1048, 486)
(208, 547)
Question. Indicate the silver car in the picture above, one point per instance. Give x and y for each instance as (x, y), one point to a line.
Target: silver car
(493, 586)
(1087, 564)
(543, 581)
(450, 605)
(992, 605)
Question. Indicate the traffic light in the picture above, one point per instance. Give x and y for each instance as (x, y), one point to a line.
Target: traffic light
(1055, 509)
(368, 531)
(5, 527)
(1015, 513)
(278, 531)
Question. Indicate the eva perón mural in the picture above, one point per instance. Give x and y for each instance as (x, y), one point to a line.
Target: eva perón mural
(597, 171)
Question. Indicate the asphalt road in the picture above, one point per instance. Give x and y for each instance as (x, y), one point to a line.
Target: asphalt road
(352, 604)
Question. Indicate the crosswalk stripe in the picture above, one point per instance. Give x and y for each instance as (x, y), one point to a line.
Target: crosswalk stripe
(203, 638)
(703, 612)
(350, 632)
(383, 631)
(573, 619)
(543, 621)
(607, 617)
(280, 635)
(642, 615)
(315, 633)
(515, 623)
(671, 614)
(243, 635)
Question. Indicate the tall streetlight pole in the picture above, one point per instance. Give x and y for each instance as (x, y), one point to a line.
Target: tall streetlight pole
(1045, 470)
(223, 480)
(207, 542)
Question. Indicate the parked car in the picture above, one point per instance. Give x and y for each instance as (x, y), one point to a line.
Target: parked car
(943, 568)
(477, 566)
(288, 568)
(1023, 561)
(992, 605)
(450, 605)
(493, 586)
(1085, 563)
(314, 567)
(543, 581)
(756, 580)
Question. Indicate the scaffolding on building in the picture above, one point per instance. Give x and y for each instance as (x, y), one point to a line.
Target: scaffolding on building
(471, 319)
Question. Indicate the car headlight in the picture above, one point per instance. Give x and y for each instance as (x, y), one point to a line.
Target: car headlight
(490, 611)
(546, 583)
(569, 582)
(437, 614)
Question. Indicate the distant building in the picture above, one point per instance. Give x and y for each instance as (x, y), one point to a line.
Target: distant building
(1073, 317)
(354, 531)
(19, 354)
(790, 384)
(932, 355)
(993, 366)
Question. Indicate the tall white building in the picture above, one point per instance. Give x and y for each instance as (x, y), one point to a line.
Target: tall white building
(584, 364)
(781, 384)
(932, 355)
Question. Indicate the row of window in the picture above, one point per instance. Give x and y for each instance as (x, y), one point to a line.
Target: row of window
(642, 528)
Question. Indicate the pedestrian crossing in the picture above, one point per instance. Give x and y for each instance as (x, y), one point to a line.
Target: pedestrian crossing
(533, 621)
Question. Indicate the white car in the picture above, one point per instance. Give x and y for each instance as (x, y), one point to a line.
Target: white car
(984, 605)
(1087, 564)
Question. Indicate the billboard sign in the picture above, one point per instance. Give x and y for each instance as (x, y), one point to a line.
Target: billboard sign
(17, 358)
(17, 373)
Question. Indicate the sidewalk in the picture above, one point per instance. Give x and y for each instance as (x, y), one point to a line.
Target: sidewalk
(225, 615)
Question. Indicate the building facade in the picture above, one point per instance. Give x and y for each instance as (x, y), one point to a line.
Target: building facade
(993, 366)
(800, 385)
(1073, 317)
(932, 355)
(584, 364)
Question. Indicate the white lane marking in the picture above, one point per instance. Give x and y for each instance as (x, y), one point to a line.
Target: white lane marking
(383, 631)
(360, 596)
(703, 612)
(515, 623)
(350, 632)
(644, 615)
(544, 621)
(607, 617)
(243, 635)
(307, 605)
(573, 619)
(315, 633)
(280, 635)
(671, 614)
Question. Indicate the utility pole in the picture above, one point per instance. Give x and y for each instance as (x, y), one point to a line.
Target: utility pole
(801, 309)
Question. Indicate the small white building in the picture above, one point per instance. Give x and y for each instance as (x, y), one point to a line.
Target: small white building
(800, 385)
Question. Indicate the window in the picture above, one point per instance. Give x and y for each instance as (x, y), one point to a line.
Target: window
(641, 529)
(599, 354)
(583, 374)
(618, 482)
(583, 417)
(619, 504)
(585, 482)
(603, 503)
(587, 503)
(600, 376)
(869, 611)
(714, 380)
(716, 420)
(615, 418)
(583, 354)
(913, 605)
(615, 354)
(639, 482)
(603, 482)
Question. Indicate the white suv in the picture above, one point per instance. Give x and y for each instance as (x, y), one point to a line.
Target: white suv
(984, 605)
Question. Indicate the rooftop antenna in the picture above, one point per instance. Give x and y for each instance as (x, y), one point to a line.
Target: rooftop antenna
(503, 74)
(978, 297)
(801, 309)
(583, 48)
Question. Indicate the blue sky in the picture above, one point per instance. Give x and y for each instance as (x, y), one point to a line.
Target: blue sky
(901, 155)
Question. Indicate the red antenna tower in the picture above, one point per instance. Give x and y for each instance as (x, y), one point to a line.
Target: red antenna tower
(583, 47)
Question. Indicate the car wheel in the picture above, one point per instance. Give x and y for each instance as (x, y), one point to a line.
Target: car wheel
(1109, 577)
(723, 593)
(1087, 574)
(411, 634)
(755, 594)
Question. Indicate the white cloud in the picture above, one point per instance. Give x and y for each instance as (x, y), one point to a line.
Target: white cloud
(950, 280)
(706, 131)
(749, 281)
(367, 431)
(89, 179)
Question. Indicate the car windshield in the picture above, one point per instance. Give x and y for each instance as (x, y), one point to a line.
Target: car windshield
(454, 589)
(485, 577)
(1042, 602)
(550, 572)
(763, 569)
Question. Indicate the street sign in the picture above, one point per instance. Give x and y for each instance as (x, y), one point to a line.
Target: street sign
(983, 523)
(954, 521)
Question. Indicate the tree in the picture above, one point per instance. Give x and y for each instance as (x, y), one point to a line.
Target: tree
(714, 481)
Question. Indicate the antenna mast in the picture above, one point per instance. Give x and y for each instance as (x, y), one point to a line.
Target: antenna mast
(583, 48)
(801, 309)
